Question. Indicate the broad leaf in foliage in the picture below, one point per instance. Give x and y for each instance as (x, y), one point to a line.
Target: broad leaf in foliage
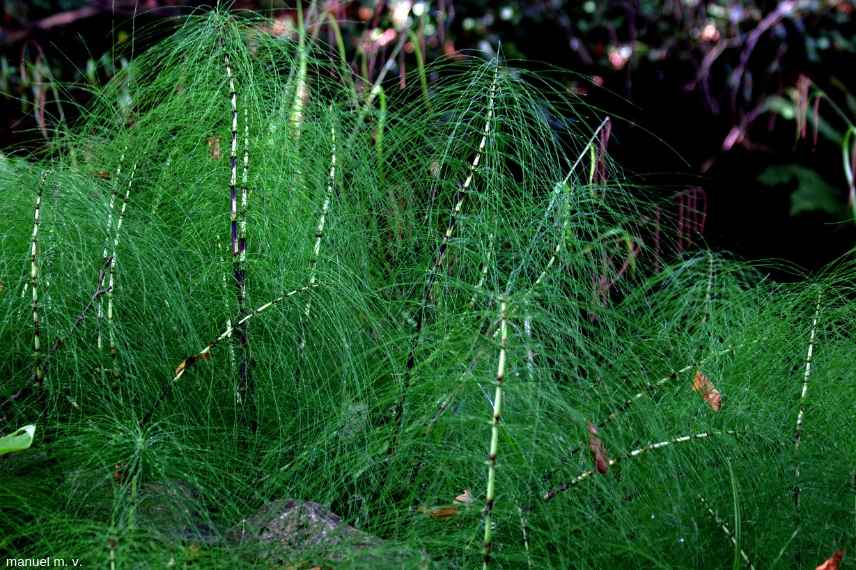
(812, 194)
(17, 441)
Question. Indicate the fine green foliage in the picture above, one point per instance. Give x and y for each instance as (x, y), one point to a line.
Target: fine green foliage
(420, 300)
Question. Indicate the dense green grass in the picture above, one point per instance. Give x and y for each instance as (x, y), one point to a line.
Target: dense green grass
(372, 388)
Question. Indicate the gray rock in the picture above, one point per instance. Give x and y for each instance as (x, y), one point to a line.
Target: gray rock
(295, 530)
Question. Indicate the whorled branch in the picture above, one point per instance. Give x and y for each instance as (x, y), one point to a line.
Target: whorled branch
(727, 531)
(651, 447)
(205, 353)
(60, 342)
(650, 387)
(566, 222)
(483, 273)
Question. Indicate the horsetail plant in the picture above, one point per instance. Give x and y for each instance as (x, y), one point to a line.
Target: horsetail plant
(117, 469)
(322, 218)
(319, 228)
(434, 271)
(38, 372)
(300, 91)
(483, 272)
(226, 295)
(557, 191)
(650, 387)
(205, 353)
(809, 357)
(633, 453)
(490, 495)
(727, 531)
(238, 244)
(111, 330)
(111, 209)
(242, 215)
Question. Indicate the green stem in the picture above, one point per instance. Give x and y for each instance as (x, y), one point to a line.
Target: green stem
(490, 496)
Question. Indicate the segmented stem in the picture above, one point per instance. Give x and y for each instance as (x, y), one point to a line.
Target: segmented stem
(556, 251)
(530, 354)
(801, 414)
(232, 358)
(651, 386)
(113, 195)
(111, 556)
(38, 371)
(458, 200)
(205, 353)
(726, 530)
(484, 270)
(325, 208)
(460, 197)
(111, 280)
(61, 341)
(651, 447)
(238, 234)
(242, 214)
(556, 192)
(494, 433)
(233, 158)
(523, 524)
(296, 115)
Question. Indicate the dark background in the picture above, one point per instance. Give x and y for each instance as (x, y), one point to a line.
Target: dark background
(694, 82)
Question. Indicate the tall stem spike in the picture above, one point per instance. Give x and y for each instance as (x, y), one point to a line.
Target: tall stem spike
(433, 272)
(238, 237)
(490, 496)
(111, 280)
(325, 208)
(809, 357)
(38, 371)
(556, 194)
(113, 195)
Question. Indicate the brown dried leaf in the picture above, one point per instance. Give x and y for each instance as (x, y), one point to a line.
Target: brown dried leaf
(464, 498)
(601, 461)
(214, 148)
(103, 175)
(832, 562)
(444, 512)
(707, 390)
(190, 361)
